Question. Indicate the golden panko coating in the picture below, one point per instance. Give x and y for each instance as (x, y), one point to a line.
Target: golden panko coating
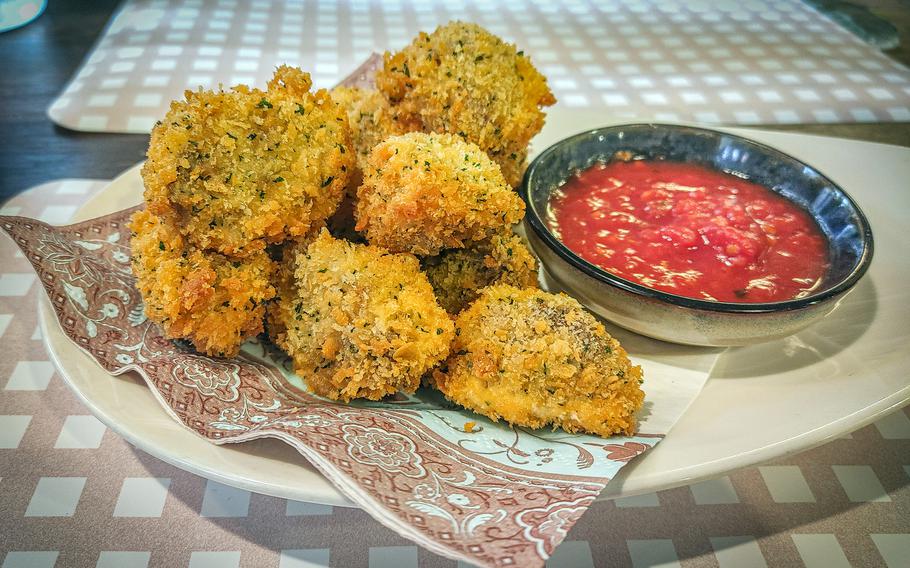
(514, 166)
(422, 193)
(211, 300)
(371, 119)
(464, 80)
(537, 359)
(285, 256)
(240, 169)
(358, 321)
(459, 275)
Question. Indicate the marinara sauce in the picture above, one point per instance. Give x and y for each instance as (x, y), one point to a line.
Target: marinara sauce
(690, 231)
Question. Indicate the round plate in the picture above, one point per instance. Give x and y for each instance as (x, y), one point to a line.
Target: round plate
(761, 402)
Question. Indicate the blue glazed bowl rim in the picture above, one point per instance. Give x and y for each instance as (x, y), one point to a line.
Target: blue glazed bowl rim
(830, 291)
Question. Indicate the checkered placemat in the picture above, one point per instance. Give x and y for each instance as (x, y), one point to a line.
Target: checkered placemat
(74, 494)
(752, 62)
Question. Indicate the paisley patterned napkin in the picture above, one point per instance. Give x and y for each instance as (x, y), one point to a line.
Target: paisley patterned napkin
(494, 496)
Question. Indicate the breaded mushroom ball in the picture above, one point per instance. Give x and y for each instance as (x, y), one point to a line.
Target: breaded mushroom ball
(371, 121)
(514, 166)
(240, 169)
(211, 300)
(422, 193)
(459, 275)
(464, 80)
(537, 359)
(285, 258)
(358, 321)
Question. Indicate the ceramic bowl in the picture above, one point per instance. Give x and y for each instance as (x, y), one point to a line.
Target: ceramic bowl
(675, 318)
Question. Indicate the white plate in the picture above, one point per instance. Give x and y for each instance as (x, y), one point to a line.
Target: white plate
(761, 402)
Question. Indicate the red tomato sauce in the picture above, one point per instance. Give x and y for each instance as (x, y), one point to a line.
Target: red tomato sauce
(690, 231)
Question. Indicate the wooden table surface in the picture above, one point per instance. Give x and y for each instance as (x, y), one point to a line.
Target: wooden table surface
(39, 59)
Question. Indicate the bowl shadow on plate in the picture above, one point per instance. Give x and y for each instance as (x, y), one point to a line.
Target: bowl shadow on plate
(830, 336)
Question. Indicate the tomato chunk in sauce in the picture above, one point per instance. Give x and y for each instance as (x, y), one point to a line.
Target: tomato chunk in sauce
(689, 230)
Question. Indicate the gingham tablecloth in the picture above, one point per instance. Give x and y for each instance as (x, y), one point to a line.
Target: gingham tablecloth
(733, 61)
(74, 494)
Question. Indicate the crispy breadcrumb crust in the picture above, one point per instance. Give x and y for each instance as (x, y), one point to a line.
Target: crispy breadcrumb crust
(358, 321)
(458, 275)
(422, 193)
(464, 80)
(513, 166)
(536, 359)
(214, 301)
(371, 121)
(285, 256)
(370, 118)
(239, 169)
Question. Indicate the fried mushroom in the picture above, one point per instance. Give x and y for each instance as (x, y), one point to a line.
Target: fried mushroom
(237, 170)
(423, 193)
(463, 80)
(536, 359)
(214, 301)
(370, 118)
(358, 321)
(371, 121)
(459, 275)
